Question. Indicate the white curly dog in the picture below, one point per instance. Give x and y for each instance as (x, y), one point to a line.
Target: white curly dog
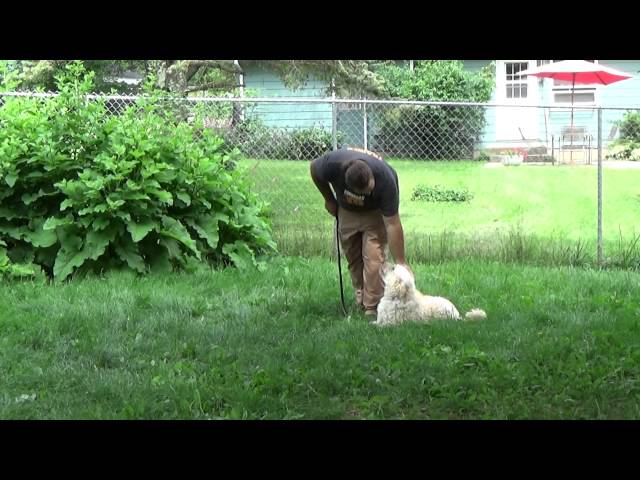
(403, 302)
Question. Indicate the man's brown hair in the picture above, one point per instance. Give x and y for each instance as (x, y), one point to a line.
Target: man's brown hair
(358, 174)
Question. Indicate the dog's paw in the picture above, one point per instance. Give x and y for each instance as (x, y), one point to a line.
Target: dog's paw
(475, 314)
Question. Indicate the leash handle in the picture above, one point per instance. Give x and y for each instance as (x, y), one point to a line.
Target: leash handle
(344, 308)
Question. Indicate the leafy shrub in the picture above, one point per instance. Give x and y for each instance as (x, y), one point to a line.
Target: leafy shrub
(630, 127)
(483, 156)
(624, 150)
(430, 132)
(254, 139)
(8, 269)
(82, 189)
(433, 132)
(309, 143)
(627, 147)
(439, 193)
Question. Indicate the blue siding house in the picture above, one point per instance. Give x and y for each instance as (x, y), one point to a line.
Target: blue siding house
(264, 83)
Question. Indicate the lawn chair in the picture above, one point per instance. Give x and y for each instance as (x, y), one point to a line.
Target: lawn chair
(574, 138)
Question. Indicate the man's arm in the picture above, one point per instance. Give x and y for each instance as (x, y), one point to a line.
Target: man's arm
(395, 236)
(329, 200)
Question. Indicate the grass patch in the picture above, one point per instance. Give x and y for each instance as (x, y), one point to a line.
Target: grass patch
(542, 215)
(558, 343)
(438, 193)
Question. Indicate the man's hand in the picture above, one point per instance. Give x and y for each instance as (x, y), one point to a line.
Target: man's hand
(331, 206)
(395, 236)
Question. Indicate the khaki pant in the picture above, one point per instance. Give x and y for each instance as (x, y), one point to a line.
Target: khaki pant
(363, 237)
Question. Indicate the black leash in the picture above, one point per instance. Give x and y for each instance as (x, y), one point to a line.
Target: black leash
(344, 308)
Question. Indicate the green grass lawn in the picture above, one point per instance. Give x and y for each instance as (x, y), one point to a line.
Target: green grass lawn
(558, 343)
(548, 208)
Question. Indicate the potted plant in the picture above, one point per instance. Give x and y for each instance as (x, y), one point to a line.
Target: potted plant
(513, 156)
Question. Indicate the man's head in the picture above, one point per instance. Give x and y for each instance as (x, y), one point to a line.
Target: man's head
(359, 177)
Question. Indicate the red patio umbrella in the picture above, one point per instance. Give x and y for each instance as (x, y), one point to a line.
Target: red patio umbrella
(577, 71)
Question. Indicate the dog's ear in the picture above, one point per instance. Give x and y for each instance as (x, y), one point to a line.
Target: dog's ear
(402, 289)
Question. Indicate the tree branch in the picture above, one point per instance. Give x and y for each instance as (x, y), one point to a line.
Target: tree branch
(210, 85)
(225, 65)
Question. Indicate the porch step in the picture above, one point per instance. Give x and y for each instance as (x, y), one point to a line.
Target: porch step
(539, 158)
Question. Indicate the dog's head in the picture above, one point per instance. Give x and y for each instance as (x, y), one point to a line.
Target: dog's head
(398, 281)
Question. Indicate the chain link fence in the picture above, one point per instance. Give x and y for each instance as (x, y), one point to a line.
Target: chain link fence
(305, 128)
(277, 137)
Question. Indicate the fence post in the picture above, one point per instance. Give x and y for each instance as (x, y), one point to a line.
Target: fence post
(599, 186)
(334, 119)
(334, 127)
(365, 126)
(241, 85)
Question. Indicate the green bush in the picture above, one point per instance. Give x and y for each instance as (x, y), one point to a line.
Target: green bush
(309, 143)
(624, 150)
(8, 269)
(627, 147)
(85, 190)
(430, 132)
(439, 193)
(433, 132)
(256, 140)
(630, 127)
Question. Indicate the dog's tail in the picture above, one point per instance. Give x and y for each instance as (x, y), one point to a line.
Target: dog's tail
(475, 314)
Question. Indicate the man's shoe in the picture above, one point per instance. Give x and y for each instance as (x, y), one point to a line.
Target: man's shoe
(371, 315)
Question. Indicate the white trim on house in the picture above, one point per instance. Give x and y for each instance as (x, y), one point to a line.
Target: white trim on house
(502, 84)
(515, 122)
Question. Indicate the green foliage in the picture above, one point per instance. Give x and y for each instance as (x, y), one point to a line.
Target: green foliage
(434, 132)
(256, 140)
(309, 143)
(350, 77)
(9, 269)
(630, 127)
(624, 150)
(9, 75)
(627, 147)
(82, 189)
(483, 156)
(438, 80)
(438, 193)
(42, 74)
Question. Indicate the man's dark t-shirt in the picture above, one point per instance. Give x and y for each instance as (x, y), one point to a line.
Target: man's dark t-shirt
(385, 195)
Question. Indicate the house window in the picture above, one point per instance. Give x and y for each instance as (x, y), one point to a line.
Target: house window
(516, 84)
(582, 94)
